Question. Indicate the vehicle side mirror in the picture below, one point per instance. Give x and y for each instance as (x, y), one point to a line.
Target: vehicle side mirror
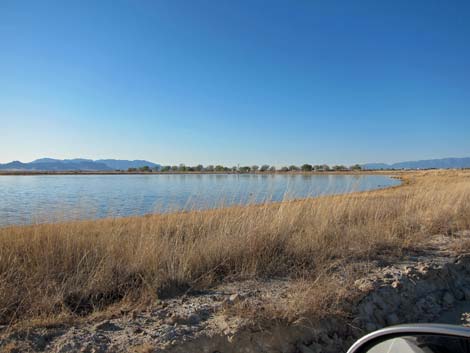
(425, 338)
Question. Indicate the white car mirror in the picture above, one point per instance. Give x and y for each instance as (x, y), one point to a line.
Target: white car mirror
(415, 339)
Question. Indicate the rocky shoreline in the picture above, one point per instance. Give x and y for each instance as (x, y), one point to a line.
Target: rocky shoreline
(425, 286)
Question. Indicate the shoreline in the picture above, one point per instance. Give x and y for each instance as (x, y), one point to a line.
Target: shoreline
(346, 172)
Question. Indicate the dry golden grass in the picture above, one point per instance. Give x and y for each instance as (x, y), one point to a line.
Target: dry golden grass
(79, 267)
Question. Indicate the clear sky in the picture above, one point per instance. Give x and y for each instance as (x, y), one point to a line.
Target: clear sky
(243, 81)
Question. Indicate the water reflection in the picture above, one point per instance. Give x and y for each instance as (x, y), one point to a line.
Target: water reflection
(43, 198)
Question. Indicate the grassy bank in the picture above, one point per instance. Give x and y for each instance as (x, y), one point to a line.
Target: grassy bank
(76, 268)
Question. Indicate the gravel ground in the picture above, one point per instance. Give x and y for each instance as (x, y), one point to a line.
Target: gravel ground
(430, 285)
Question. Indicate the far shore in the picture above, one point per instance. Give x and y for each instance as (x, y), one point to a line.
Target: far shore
(332, 172)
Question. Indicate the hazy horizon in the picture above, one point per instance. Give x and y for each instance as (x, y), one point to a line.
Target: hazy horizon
(242, 164)
(244, 82)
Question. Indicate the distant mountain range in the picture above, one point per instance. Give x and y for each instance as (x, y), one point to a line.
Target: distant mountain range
(49, 164)
(444, 163)
(80, 164)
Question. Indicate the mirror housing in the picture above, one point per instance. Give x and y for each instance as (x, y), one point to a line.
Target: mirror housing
(416, 338)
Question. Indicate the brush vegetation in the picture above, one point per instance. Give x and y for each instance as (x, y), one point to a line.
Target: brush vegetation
(77, 268)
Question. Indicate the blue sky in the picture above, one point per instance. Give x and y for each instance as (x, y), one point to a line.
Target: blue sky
(232, 82)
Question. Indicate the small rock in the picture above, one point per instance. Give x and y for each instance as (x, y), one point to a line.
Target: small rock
(193, 319)
(235, 298)
(396, 284)
(107, 326)
(138, 330)
(100, 338)
(408, 270)
(465, 318)
(423, 268)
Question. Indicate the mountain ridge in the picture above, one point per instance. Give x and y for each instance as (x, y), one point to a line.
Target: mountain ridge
(441, 163)
(77, 164)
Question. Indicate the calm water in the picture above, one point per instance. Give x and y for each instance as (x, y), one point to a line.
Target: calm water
(45, 198)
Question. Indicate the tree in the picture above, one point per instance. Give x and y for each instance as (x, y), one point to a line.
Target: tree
(199, 167)
(182, 167)
(165, 168)
(306, 167)
(284, 169)
(210, 168)
(339, 167)
(356, 167)
(174, 168)
(321, 168)
(132, 169)
(145, 168)
(254, 168)
(219, 168)
(245, 169)
(272, 169)
(293, 168)
(264, 168)
(234, 168)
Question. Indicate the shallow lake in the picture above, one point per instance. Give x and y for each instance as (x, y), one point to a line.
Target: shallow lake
(48, 198)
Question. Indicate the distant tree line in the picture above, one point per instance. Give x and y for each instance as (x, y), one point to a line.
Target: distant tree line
(246, 169)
